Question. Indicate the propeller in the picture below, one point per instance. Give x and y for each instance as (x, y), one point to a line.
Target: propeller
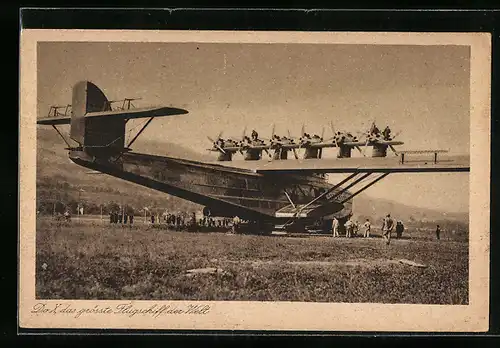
(244, 134)
(269, 154)
(364, 148)
(395, 135)
(302, 138)
(272, 135)
(334, 135)
(294, 152)
(367, 136)
(392, 147)
(216, 145)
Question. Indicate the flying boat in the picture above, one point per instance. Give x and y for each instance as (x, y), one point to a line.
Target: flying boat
(270, 192)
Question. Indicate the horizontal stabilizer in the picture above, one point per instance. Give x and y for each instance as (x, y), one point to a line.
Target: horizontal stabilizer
(118, 114)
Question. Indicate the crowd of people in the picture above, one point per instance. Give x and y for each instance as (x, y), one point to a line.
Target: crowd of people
(352, 228)
(184, 221)
(190, 222)
(176, 221)
(116, 217)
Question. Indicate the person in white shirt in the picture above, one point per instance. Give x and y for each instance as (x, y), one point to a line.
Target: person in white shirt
(335, 227)
(387, 228)
(368, 228)
(348, 228)
(356, 228)
(236, 222)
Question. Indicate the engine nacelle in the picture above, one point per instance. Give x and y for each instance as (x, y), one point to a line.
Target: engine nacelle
(253, 155)
(344, 151)
(311, 153)
(379, 150)
(227, 156)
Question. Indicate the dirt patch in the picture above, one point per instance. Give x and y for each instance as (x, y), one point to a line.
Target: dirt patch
(352, 263)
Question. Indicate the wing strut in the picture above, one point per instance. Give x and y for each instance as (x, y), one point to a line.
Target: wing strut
(364, 176)
(139, 133)
(329, 190)
(373, 182)
(62, 136)
(290, 200)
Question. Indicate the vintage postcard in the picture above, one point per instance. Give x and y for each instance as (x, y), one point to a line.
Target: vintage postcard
(306, 181)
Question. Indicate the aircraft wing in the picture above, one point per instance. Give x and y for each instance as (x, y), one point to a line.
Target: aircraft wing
(332, 144)
(54, 120)
(258, 147)
(361, 164)
(387, 142)
(126, 114)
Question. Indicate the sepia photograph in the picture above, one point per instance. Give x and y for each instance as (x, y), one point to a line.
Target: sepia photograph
(256, 171)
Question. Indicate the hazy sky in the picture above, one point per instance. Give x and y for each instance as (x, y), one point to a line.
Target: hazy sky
(422, 91)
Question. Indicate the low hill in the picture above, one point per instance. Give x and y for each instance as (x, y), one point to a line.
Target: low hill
(60, 180)
(364, 205)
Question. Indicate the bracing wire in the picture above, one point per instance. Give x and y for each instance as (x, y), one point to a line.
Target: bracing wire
(120, 137)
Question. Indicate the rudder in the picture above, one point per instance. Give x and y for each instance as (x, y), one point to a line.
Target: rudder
(100, 137)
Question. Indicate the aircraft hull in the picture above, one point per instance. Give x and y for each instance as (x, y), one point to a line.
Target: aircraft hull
(224, 190)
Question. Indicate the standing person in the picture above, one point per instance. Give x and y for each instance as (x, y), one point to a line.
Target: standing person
(438, 232)
(193, 219)
(348, 228)
(335, 227)
(387, 133)
(387, 228)
(356, 227)
(399, 229)
(236, 223)
(255, 135)
(368, 228)
(131, 218)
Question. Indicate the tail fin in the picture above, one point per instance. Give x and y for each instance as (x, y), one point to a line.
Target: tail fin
(99, 130)
(102, 136)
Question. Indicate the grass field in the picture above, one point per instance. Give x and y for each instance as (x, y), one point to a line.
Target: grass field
(90, 260)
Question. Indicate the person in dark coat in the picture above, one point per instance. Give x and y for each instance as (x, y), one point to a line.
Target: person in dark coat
(387, 133)
(399, 229)
(255, 135)
(438, 232)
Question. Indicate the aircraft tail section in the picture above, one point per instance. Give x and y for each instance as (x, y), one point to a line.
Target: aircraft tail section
(100, 136)
(99, 130)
